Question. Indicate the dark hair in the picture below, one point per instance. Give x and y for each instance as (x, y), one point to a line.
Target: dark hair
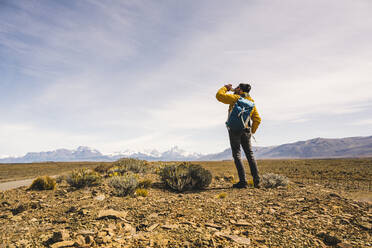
(245, 87)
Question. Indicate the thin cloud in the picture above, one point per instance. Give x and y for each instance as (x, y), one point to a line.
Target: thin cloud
(365, 122)
(124, 74)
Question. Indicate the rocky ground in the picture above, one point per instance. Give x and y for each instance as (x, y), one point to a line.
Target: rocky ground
(294, 216)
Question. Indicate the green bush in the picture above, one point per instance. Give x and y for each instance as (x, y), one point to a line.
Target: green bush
(43, 183)
(272, 180)
(124, 185)
(185, 176)
(80, 178)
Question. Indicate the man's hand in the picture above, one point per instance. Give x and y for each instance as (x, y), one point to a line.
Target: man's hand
(228, 87)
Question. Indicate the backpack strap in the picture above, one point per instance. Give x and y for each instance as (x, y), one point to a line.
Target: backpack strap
(245, 122)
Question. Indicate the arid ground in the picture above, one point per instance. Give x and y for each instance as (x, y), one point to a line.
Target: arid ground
(326, 204)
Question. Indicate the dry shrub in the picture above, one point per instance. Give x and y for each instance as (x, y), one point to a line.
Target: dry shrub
(272, 180)
(81, 178)
(145, 183)
(103, 168)
(43, 183)
(229, 178)
(124, 185)
(186, 176)
(225, 178)
(124, 165)
(60, 178)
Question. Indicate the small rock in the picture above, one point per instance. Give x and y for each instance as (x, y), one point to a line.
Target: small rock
(60, 236)
(238, 239)
(80, 241)
(63, 244)
(129, 228)
(152, 227)
(153, 215)
(21, 208)
(83, 211)
(169, 226)
(103, 240)
(242, 223)
(22, 243)
(8, 215)
(99, 197)
(188, 223)
(86, 232)
(16, 218)
(109, 231)
(101, 234)
(221, 233)
(354, 205)
(44, 237)
(89, 240)
(344, 245)
(365, 225)
(112, 214)
(5, 204)
(140, 236)
(334, 195)
(319, 243)
(328, 239)
(213, 226)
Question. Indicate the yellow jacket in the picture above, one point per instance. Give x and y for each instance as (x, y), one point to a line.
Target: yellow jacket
(223, 97)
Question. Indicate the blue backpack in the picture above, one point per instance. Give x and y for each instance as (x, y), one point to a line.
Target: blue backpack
(240, 114)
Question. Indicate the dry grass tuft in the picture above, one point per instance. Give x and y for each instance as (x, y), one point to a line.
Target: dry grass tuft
(221, 195)
(141, 192)
(81, 178)
(43, 183)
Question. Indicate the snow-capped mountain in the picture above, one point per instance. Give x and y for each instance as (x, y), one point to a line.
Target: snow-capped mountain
(314, 148)
(175, 153)
(84, 153)
(131, 153)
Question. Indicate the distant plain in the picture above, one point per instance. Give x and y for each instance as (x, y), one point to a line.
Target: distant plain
(346, 174)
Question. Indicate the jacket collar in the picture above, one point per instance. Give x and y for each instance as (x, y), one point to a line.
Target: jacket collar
(245, 95)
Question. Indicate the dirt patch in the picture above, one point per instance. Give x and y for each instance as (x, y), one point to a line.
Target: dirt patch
(299, 215)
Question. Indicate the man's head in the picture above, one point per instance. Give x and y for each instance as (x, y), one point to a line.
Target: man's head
(242, 88)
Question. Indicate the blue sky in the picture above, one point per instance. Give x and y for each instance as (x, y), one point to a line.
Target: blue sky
(118, 75)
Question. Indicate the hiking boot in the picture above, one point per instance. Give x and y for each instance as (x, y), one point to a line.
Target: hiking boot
(240, 185)
(256, 184)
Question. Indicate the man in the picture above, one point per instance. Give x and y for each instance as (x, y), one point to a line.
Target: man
(243, 137)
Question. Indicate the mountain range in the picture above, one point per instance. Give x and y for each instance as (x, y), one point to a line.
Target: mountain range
(313, 148)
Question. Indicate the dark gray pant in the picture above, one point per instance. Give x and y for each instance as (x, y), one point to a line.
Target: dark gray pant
(243, 138)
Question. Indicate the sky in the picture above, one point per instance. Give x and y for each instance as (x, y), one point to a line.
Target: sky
(142, 75)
